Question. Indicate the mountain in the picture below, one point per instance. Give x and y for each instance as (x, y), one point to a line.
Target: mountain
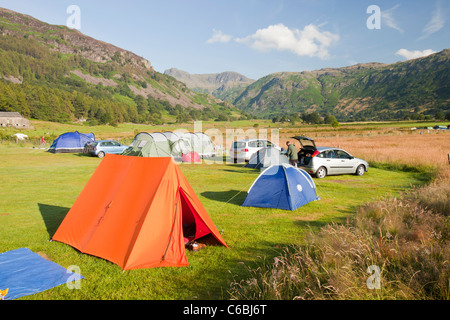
(51, 72)
(224, 85)
(364, 91)
(54, 73)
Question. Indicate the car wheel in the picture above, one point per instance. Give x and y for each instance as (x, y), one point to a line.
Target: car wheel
(360, 170)
(321, 173)
(101, 154)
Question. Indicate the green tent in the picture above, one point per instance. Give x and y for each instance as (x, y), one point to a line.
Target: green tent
(150, 145)
(171, 144)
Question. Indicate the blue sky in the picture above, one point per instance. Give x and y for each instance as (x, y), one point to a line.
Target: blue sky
(257, 37)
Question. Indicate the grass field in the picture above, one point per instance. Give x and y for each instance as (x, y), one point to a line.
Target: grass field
(38, 189)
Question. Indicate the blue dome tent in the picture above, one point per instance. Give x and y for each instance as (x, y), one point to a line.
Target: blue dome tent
(71, 142)
(282, 187)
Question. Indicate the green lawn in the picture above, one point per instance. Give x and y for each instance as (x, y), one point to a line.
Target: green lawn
(38, 188)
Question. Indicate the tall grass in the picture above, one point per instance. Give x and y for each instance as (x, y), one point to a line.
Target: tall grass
(406, 237)
(412, 148)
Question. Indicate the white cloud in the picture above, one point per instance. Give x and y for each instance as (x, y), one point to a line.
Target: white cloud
(307, 42)
(219, 36)
(408, 55)
(436, 23)
(387, 17)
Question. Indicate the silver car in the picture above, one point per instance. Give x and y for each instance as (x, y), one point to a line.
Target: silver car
(323, 161)
(102, 147)
(243, 150)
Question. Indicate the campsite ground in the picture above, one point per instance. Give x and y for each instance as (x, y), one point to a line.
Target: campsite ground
(38, 188)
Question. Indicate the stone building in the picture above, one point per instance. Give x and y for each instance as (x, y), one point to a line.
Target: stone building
(13, 120)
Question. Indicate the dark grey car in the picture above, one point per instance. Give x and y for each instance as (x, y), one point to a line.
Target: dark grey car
(323, 161)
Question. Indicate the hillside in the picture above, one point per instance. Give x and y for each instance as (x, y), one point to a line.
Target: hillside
(54, 73)
(225, 85)
(364, 91)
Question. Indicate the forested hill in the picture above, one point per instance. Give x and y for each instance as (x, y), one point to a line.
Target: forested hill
(54, 73)
(373, 91)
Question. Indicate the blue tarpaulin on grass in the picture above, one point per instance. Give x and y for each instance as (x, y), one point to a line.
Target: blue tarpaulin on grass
(24, 273)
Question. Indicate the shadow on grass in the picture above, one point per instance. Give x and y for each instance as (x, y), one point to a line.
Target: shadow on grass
(52, 216)
(84, 155)
(231, 196)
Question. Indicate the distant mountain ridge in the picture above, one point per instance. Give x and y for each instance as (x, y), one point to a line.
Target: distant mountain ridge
(370, 91)
(54, 73)
(220, 85)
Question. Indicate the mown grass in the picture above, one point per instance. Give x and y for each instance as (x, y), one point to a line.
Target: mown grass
(38, 188)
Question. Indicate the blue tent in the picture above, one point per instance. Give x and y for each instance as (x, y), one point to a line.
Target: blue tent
(71, 142)
(281, 187)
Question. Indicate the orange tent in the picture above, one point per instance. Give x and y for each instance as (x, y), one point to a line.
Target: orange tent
(138, 213)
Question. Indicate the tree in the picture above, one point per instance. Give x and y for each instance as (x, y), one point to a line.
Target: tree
(222, 117)
(141, 104)
(182, 118)
(294, 118)
(329, 119)
(439, 115)
(312, 118)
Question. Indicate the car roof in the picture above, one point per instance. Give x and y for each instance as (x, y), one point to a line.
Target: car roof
(324, 148)
(320, 149)
(248, 140)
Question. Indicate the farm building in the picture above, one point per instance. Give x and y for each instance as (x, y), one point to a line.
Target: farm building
(14, 120)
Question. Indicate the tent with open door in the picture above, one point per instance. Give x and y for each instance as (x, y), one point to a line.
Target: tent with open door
(71, 142)
(266, 157)
(137, 212)
(281, 187)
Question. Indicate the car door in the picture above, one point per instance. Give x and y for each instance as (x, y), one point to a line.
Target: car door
(331, 162)
(347, 163)
(106, 147)
(115, 147)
